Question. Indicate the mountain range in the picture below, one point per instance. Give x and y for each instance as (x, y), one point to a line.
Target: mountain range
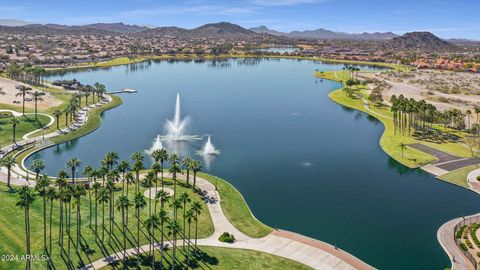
(325, 34)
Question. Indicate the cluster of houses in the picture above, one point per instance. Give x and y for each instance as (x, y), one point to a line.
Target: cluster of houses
(447, 64)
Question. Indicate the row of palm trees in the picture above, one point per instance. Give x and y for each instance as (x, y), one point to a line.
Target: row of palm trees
(27, 73)
(409, 114)
(101, 188)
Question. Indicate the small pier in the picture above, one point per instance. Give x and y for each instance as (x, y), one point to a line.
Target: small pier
(124, 91)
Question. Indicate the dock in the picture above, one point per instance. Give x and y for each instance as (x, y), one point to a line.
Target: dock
(125, 90)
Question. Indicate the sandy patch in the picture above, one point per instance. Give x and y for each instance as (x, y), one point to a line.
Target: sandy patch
(10, 98)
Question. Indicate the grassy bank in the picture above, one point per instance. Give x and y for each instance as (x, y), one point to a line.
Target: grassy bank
(12, 230)
(27, 124)
(231, 258)
(236, 209)
(459, 177)
(132, 60)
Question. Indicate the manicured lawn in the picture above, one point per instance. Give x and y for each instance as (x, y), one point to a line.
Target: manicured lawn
(228, 259)
(28, 123)
(390, 142)
(459, 177)
(12, 230)
(236, 209)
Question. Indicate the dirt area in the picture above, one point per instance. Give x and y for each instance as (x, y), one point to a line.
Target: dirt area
(10, 98)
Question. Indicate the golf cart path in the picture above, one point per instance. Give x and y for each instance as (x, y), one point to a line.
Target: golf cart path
(305, 250)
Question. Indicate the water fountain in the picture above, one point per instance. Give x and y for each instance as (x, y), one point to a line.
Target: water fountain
(209, 149)
(157, 144)
(176, 127)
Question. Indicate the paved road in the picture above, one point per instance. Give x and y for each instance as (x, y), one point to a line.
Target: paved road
(445, 236)
(440, 155)
(308, 251)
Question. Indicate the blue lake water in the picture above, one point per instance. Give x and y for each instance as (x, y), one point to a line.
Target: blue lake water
(302, 162)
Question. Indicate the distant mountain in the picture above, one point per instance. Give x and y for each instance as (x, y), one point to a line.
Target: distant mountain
(116, 27)
(325, 34)
(13, 22)
(421, 41)
(222, 30)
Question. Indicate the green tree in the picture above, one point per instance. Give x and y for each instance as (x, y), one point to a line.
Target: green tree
(139, 203)
(152, 223)
(23, 91)
(15, 122)
(37, 96)
(124, 203)
(37, 166)
(41, 188)
(174, 229)
(25, 199)
(8, 162)
(73, 164)
(196, 167)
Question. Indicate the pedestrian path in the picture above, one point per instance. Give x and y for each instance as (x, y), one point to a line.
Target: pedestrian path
(308, 251)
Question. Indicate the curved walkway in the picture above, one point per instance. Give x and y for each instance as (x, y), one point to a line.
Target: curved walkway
(308, 251)
(16, 114)
(446, 237)
(472, 180)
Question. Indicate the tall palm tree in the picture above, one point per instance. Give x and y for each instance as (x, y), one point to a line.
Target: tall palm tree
(174, 229)
(51, 196)
(42, 187)
(78, 192)
(96, 187)
(103, 198)
(174, 169)
(176, 204)
(23, 91)
(88, 171)
(14, 122)
(186, 166)
(137, 158)
(111, 189)
(152, 223)
(189, 216)
(162, 156)
(139, 203)
(26, 198)
(66, 111)
(57, 114)
(124, 203)
(111, 159)
(129, 178)
(69, 190)
(184, 198)
(37, 96)
(163, 217)
(73, 164)
(123, 168)
(8, 162)
(196, 167)
(37, 166)
(197, 210)
(149, 182)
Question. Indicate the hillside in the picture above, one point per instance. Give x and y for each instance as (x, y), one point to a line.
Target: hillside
(420, 41)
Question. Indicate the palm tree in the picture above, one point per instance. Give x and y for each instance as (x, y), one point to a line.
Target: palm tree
(96, 187)
(103, 198)
(174, 229)
(148, 181)
(37, 166)
(403, 147)
(8, 162)
(67, 201)
(26, 198)
(123, 167)
(137, 158)
(73, 164)
(57, 114)
(129, 180)
(37, 96)
(23, 91)
(196, 167)
(124, 203)
(186, 166)
(176, 204)
(139, 203)
(111, 189)
(66, 111)
(174, 169)
(89, 171)
(152, 223)
(51, 196)
(15, 122)
(468, 113)
(111, 159)
(42, 187)
(197, 210)
(78, 192)
(184, 198)
(189, 216)
(162, 156)
(163, 217)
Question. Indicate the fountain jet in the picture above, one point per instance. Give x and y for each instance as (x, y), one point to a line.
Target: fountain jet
(176, 126)
(209, 149)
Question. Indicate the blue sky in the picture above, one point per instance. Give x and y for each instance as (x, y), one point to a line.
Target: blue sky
(448, 19)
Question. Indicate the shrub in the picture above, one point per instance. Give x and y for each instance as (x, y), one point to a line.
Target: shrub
(463, 247)
(459, 233)
(226, 237)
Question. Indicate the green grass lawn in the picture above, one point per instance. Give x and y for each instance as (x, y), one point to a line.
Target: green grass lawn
(236, 209)
(224, 259)
(28, 123)
(459, 177)
(12, 230)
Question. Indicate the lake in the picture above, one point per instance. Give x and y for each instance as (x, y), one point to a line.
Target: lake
(302, 162)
